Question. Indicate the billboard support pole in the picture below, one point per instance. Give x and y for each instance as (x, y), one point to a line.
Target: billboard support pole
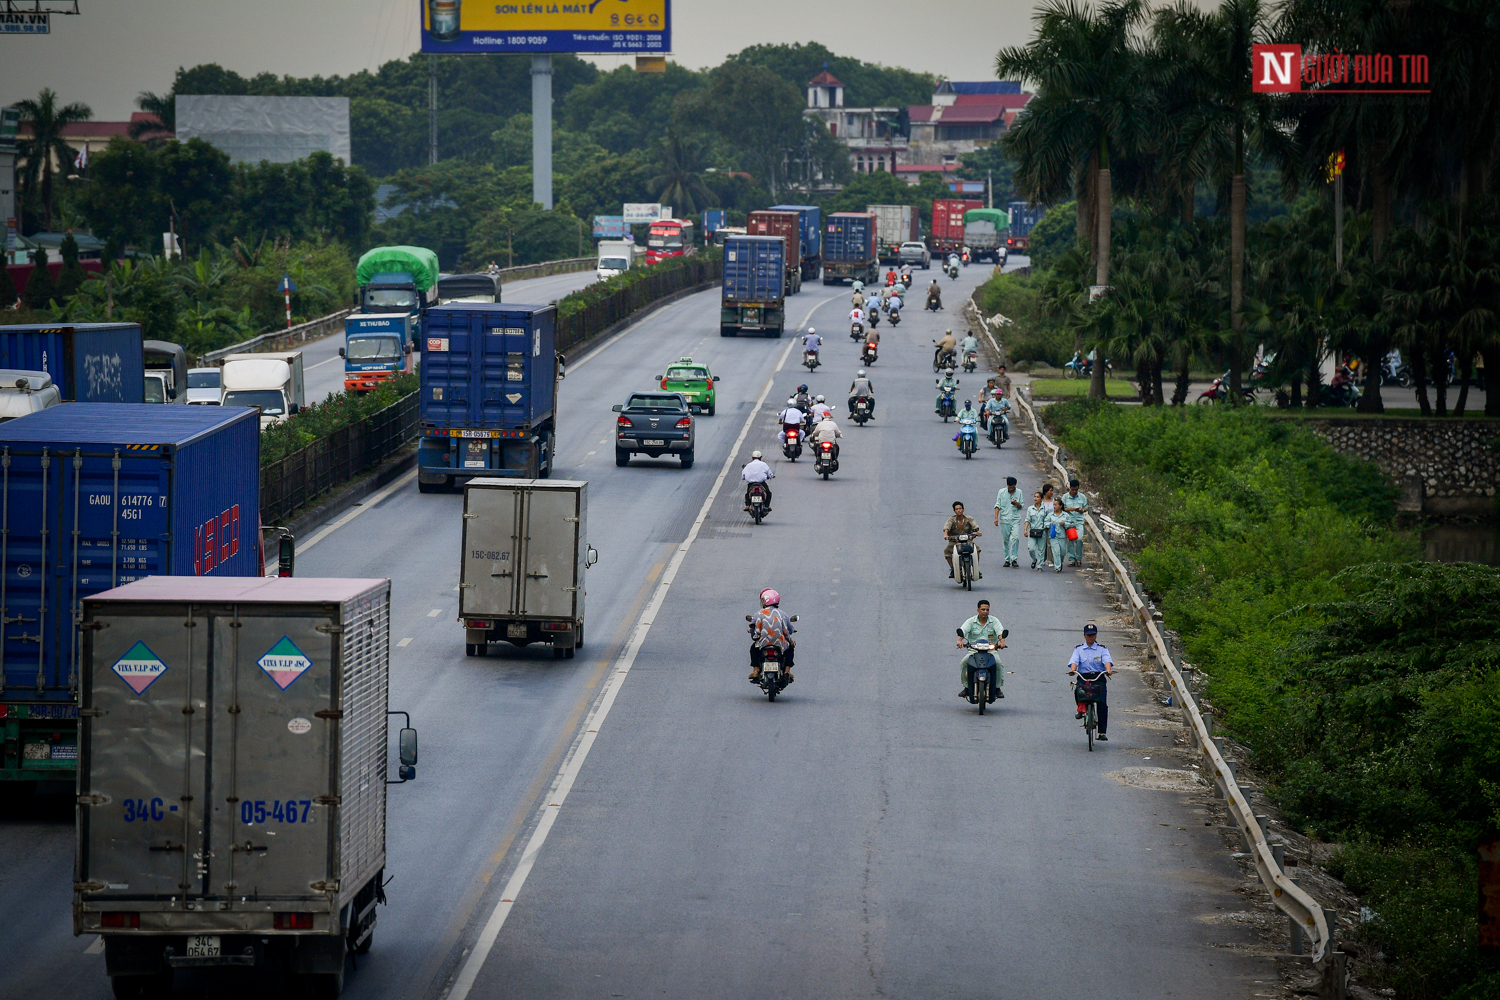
(432, 109)
(541, 130)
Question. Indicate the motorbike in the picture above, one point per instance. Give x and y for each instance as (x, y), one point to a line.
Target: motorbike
(945, 407)
(759, 502)
(1395, 374)
(810, 359)
(952, 270)
(1342, 391)
(868, 356)
(941, 361)
(1084, 367)
(874, 318)
(861, 409)
(772, 678)
(965, 258)
(792, 449)
(824, 463)
(968, 436)
(999, 430)
(856, 330)
(982, 687)
(971, 361)
(934, 301)
(895, 316)
(1219, 392)
(963, 547)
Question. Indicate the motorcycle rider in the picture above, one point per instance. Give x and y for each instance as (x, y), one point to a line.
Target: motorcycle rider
(946, 382)
(821, 410)
(857, 320)
(895, 308)
(1089, 657)
(960, 524)
(969, 345)
(997, 407)
(1010, 508)
(811, 342)
(791, 418)
(935, 293)
(890, 277)
(980, 628)
(827, 430)
(757, 471)
(771, 627)
(952, 259)
(967, 413)
(802, 399)
(857, 300)
(885, 298)
(861, 386)
(945, 348)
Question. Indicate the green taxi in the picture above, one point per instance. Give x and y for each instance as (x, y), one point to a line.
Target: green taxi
(693, 380)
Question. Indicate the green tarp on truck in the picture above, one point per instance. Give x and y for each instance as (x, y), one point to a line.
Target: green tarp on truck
(419, 262)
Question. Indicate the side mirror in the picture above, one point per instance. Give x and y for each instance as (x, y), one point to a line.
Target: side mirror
(406, 752)
(617, 407)
(592, 556)
(658, 378)
(286, 555)
(408, 742)
(716, 378)
(562, 359)
(406, 349)
(1005, 633)
(749, 618)
(796, 618)
(291, 410)
(341, 353)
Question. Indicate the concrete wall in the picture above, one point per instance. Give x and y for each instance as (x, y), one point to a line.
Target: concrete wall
(1443, 466)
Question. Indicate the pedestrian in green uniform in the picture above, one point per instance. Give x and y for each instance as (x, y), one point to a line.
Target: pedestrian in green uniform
(1076, 503)
(1036, 532)
(1057, 527)
(1010, 511)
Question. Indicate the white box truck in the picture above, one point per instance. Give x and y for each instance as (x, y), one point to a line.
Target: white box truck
(271, 381)
(525, 549)
(232, 775)
(615, 257)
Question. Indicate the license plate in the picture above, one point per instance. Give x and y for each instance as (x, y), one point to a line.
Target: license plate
(657, 442)
(203, 946)
(756, 501)
(474, 465)
(516, 631)
(771, 666)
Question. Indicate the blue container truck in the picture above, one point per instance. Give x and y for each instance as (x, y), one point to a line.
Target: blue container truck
(754, 286)
(849, 248)
(95, 495)
(88, 362)
(377, 348)
(1023, 218)
(489, 393)
(811, 220)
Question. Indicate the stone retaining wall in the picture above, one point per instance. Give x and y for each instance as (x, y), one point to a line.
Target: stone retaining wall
(1444, 466)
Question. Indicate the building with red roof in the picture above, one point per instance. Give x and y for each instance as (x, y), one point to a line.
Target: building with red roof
(962, 117)
(873, 135)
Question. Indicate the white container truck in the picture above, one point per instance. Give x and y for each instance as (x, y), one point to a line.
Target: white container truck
(615, 257)
(232, 775)
(271, 381)
(894, 225)
(525, 549)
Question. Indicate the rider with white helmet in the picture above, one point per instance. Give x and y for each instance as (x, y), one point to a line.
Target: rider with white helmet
(757, 471)
(861, 386)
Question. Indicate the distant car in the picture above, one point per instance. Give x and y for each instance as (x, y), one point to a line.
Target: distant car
(655, 424)
(692, 381)
(205, 387)
(23, 392)
(916, 254)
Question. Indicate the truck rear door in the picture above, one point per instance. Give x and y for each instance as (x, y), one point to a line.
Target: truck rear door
(492, 537)
(447, 375)
(549, 582)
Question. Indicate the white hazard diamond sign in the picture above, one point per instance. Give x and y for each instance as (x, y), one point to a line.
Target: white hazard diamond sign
(139, 668)
(284, 663)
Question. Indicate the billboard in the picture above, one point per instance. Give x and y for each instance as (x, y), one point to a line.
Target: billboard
(637, 213)
(601, 26)
(610, 227)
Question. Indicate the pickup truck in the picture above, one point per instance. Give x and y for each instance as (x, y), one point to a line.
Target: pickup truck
(916, 255)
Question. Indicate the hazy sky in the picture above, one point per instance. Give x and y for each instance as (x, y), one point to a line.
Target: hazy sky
(117, 48)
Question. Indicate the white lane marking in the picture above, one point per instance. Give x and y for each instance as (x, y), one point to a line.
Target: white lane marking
(434, 612)
(404, 643)
(97, 948)
(573, 763)
(320, 364)
(364, 506)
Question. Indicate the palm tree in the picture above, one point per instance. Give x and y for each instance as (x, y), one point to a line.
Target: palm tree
(1090, 94)
(163, 108)
(46, 143)
(680, 176)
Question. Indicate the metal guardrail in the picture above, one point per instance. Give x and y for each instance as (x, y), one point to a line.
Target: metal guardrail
(523, 271)
(313, 329)
(1287, 896)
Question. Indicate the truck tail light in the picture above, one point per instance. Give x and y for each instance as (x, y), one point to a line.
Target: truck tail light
(120, 919)
(554, 626)
(623, 422)
(292, 921)
(484, 623)
(685, 422)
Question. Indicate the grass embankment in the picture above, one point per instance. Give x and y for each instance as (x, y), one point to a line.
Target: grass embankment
(1366, 684)
(336, 412)
(1046, 388)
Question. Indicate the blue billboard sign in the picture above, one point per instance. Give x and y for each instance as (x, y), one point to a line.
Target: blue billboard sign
(596, 26)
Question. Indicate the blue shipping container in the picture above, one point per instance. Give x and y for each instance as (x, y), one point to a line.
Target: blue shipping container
(754, 268)
(89, 362)
(811, 218)
(850, 237)
(96, 495)
(490, 366)
(1023, 217)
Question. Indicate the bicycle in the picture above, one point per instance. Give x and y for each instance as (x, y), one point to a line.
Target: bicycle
(1089, 685)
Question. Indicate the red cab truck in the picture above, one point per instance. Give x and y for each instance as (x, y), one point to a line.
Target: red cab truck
(948, 223)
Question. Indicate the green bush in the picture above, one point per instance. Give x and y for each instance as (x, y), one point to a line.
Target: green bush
(1365, 684)
(601, 290)
(321, 419)
(1029, 336)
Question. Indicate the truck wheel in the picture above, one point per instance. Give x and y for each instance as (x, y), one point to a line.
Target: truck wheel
(578, 643)
(622, 457)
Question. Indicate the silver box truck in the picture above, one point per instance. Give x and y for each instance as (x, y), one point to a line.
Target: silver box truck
(232, 775)
(525, 551)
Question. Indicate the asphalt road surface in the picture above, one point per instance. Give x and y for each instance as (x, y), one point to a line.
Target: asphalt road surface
(866, 835)
(323, 369)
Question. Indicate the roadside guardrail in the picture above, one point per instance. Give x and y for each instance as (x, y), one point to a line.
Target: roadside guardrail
(1304, 911)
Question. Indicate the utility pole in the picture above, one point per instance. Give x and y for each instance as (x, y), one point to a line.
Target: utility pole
(541, 130)
(990, 187)
(432, 109)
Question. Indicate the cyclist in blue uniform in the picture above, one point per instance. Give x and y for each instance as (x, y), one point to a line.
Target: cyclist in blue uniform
(1089, 657)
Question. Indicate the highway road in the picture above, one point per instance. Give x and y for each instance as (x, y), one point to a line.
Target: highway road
(323, 369)
(866, 835)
